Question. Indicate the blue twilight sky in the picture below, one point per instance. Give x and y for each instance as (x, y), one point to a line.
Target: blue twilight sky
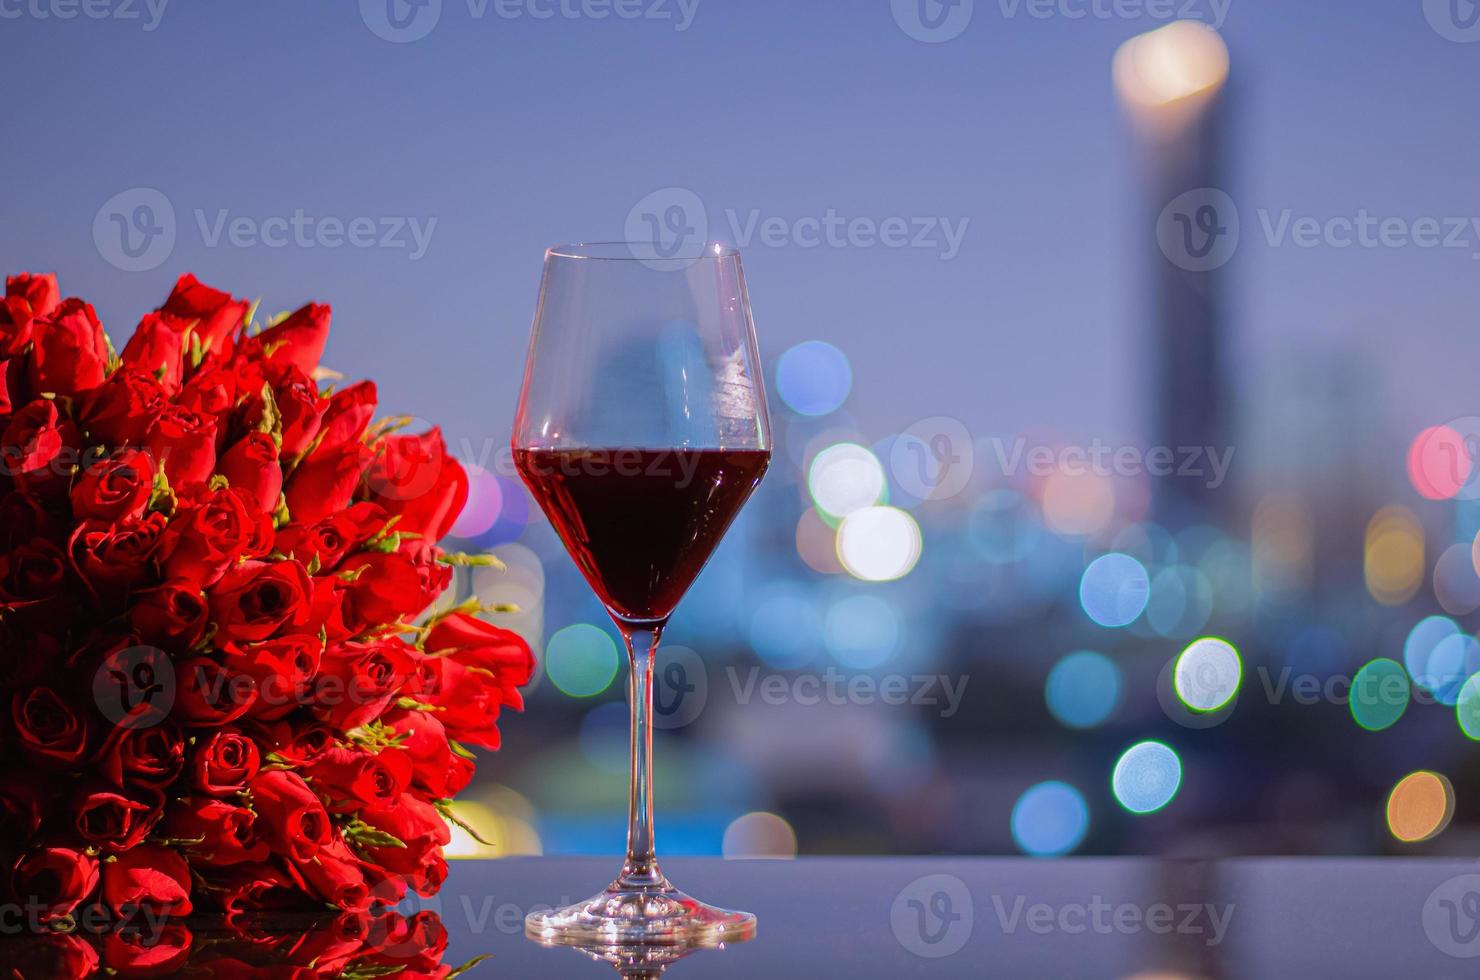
(516, 133)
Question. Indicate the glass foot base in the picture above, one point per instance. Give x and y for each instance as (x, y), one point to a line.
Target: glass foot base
(652, 916)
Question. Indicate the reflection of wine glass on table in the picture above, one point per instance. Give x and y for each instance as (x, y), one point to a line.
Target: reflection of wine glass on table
(641, 430)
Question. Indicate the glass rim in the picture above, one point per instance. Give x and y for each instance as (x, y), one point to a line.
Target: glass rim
(646, 252)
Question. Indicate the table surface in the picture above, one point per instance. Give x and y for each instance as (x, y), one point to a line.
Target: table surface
(984, 917)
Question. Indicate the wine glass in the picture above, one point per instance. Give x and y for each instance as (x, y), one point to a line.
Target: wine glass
(641, 431)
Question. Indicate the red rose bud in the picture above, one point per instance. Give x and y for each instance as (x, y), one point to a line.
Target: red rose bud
(26, 297)
(419, 826)
(256, 600)
(385, 588)
(412, 476)
(282, 671)
(297, 341)
(334, 874)
(208, 537)
(291, 818)
(51, 732)
(113, 819)
(217, 313)
(123, 409)
(40, 448)
(21, 804)
(172, 616)
(224, 832)
(348, 779)
(296, 743)
(210, 694)
(115, 489)
(32, 573)
(54, 879)
(323, 484)
(224, 762)
(147, 952)
(71, 354)
(357, 681)
(185, 444)
(244, 889)
(348, 415)
(297, 404)
(252, 466)
(157, 349)
(149, 877)
(114, 560)
(152, 755)
(475, 669)
(329, 540)
(435, 769)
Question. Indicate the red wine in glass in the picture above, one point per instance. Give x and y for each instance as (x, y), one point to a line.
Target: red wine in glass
(641, 523)
(647, 346)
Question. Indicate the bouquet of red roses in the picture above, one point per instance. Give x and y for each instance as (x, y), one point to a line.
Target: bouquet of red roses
(222, 686)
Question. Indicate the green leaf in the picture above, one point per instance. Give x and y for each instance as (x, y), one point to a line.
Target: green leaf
(459, 971)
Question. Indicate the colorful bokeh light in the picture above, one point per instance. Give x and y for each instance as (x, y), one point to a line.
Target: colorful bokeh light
(1083, 689)
(1114, 590)
(1146, 777)
(1050, 819)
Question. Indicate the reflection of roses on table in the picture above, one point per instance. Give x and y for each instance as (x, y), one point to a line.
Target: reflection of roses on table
(225, 690)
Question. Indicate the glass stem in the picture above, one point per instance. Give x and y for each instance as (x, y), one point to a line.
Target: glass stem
(641, 869)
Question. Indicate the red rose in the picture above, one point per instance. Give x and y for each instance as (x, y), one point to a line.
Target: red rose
(296, 407)
(71, 353)
(185, 445)
(282, 671)
(357, 681)
(252, 466)
(21, 804)
(157, 349)
(123, 409)
(435, 769)
(350, 779)
(147, 952)
(298, 341)
(214, 390)
(323, 484)
(172, 616)
(224, 762)
(106, 817)
(255, 600)
(217, 313)
(115, 489)
(475, 669)
(291, 818)
(420, 827)
(210, 694)
(32, 573)
(56, 879)
(208, 536)
(332, 538)
(152, 755)
(413, 476)
(26, 297)
(333, 873)
(348, 415)
(383, 588)
(40, 448)
(51, 732)
(244, 889)
(149, 877)
(224, 833)
(113, 560)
